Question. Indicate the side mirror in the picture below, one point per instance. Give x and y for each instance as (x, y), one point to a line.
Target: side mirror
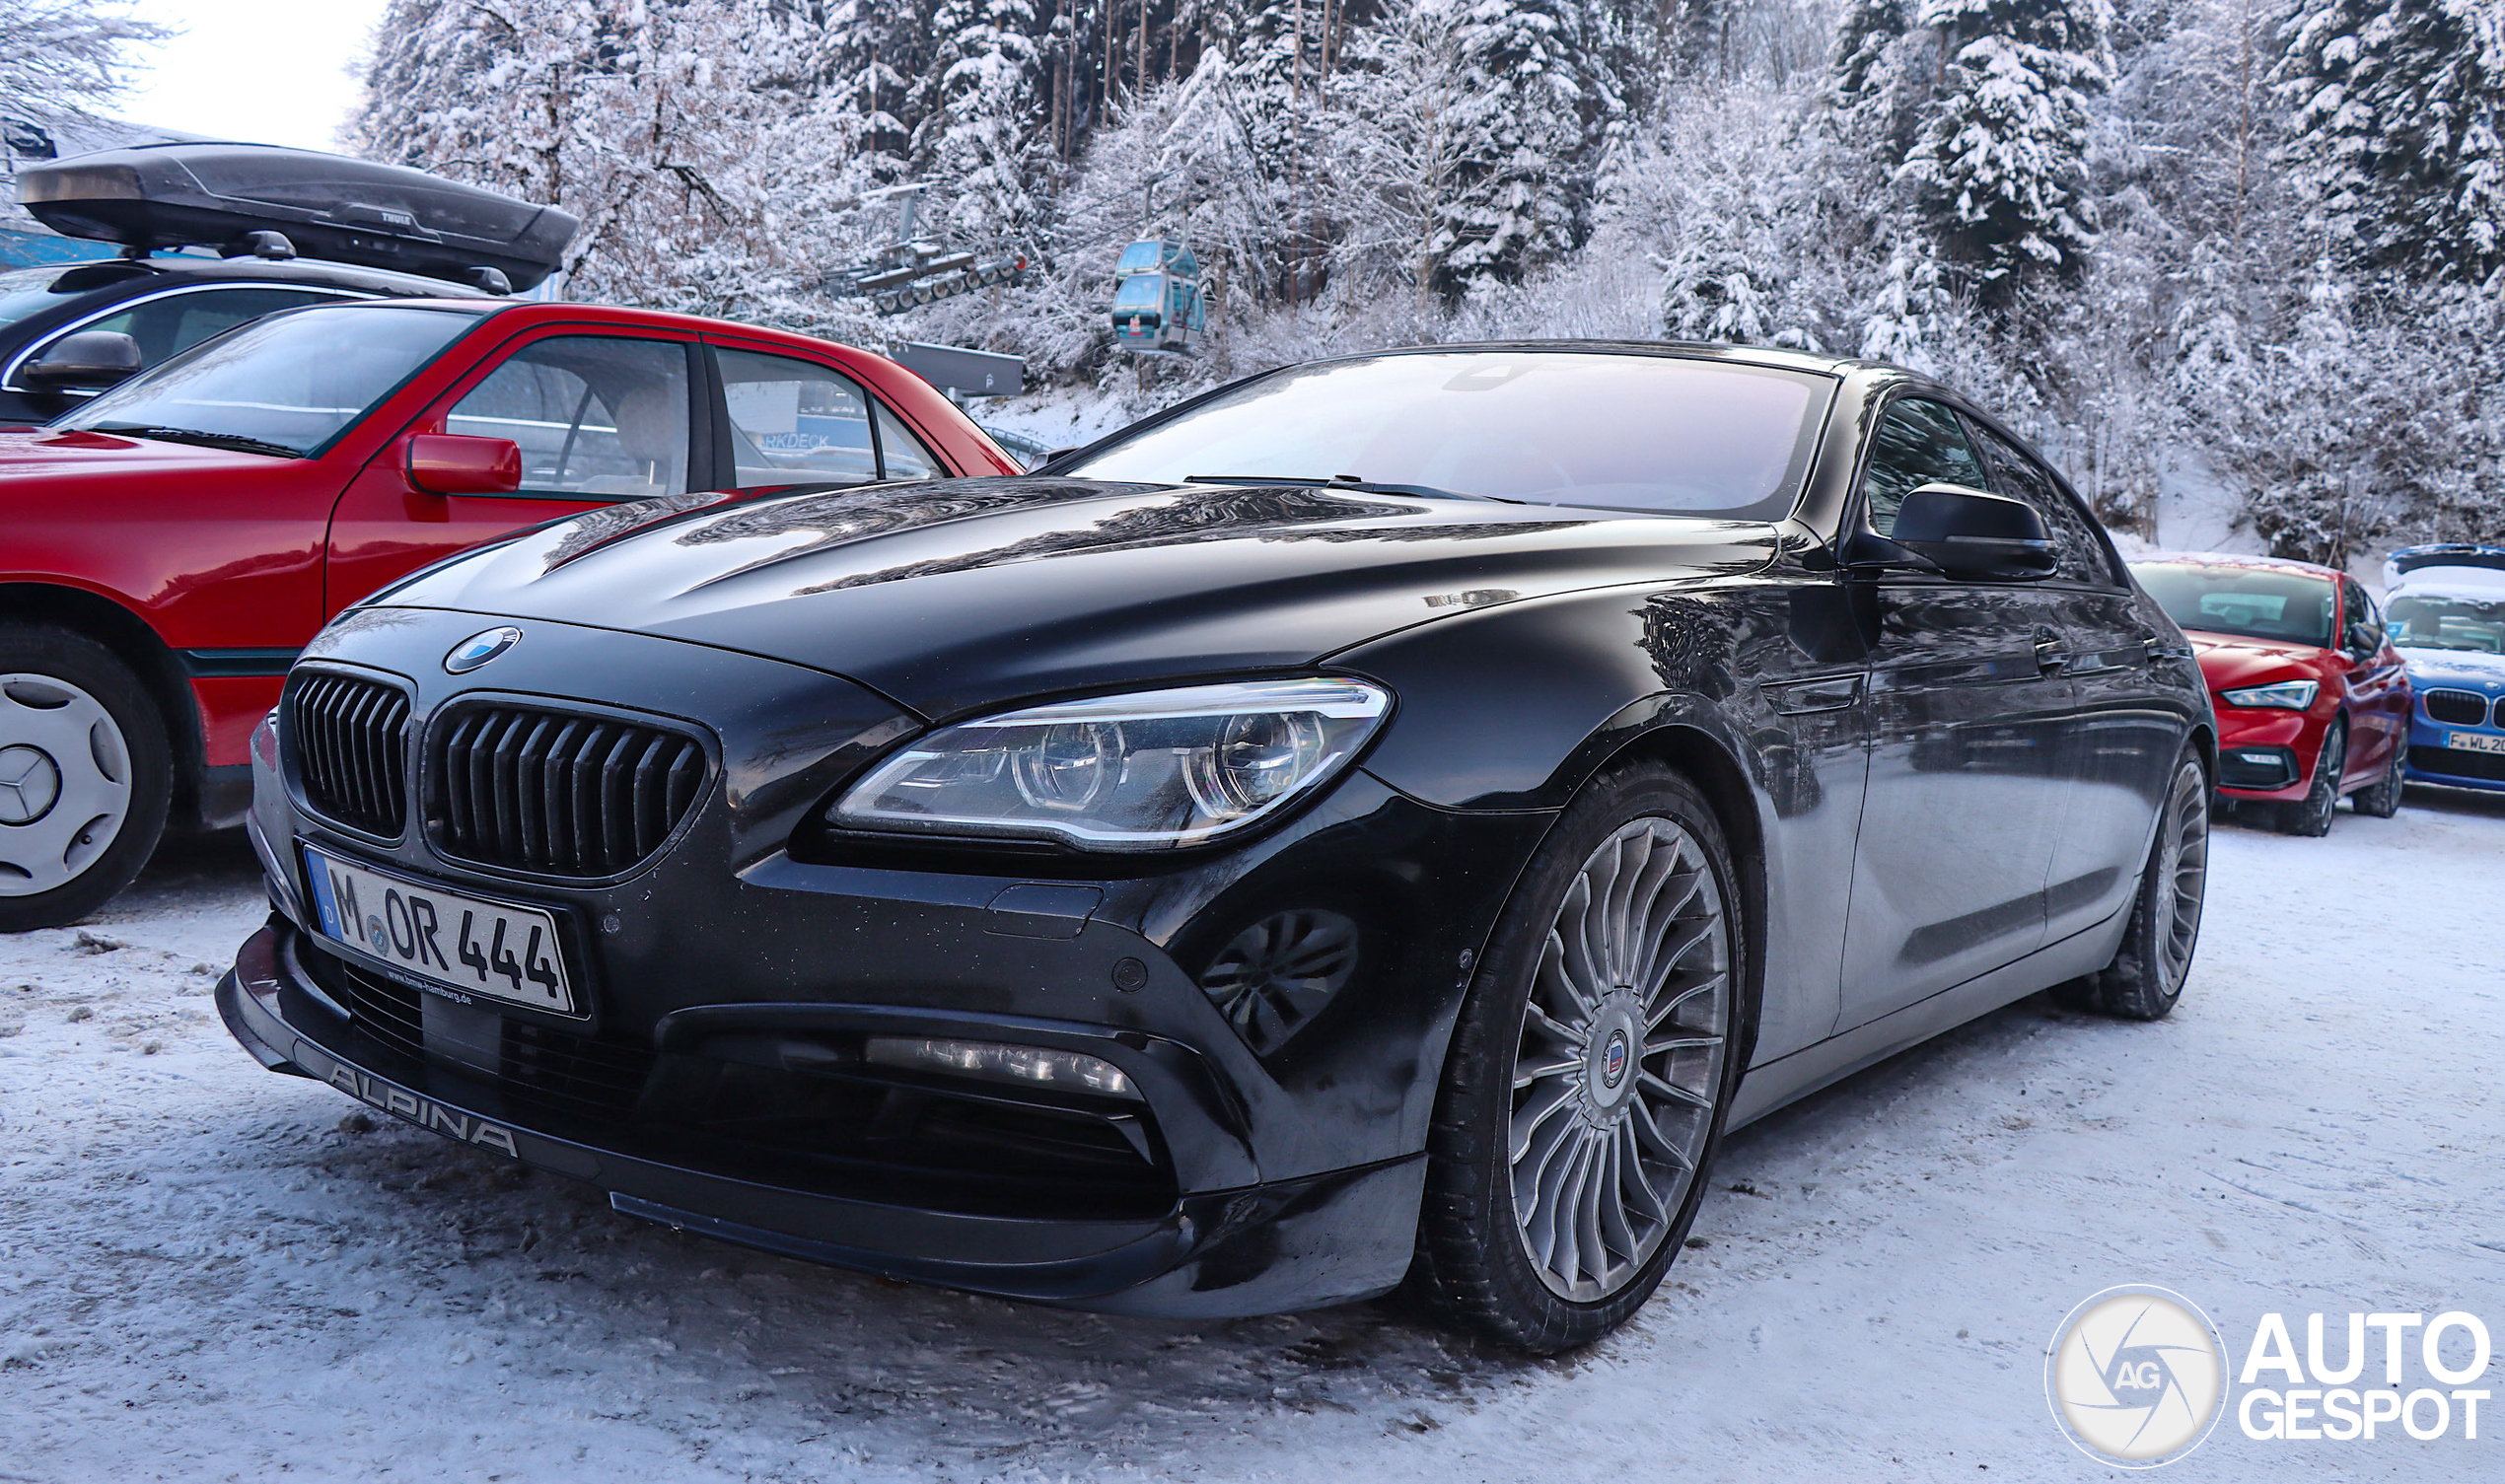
(89, 361)
(455, 464)
(1966, 533)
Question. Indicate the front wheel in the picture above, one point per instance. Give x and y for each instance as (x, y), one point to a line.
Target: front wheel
(1590, 1074)
(2146, 976)
(86, 772)
(2312, 815)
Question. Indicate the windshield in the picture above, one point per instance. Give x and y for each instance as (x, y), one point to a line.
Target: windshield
(293, 381)
(2252, 603)
(2477, 625)
(1141, 292)
(1626, 432)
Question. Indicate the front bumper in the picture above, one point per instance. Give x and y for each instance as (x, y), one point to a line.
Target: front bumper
(1253, 1174)
(2434, 760)
(2267, 753)
(1256, 1249)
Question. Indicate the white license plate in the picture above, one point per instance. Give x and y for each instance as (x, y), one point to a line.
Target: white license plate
(2475, 741)
(441, 938)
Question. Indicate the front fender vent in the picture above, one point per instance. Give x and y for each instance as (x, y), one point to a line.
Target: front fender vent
(349, 741)
(558, 793)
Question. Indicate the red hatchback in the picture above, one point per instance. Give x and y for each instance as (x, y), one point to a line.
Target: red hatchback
(2313, 701)
(173, 543)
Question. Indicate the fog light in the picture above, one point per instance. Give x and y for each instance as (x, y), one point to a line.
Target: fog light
(2265, 759)
(992, 1061)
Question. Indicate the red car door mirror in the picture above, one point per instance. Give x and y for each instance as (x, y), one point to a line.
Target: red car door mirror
(455, 464)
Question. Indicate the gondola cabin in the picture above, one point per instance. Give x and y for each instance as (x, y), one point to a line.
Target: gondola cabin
(1157, 300)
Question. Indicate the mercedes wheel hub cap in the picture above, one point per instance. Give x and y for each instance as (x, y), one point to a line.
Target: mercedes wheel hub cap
(29, 784)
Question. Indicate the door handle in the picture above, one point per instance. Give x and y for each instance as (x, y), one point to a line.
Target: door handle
(1833, 693)
(2049, 655)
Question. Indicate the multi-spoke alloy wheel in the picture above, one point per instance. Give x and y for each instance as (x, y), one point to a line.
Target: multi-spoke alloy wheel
(2147, 974)
(2181, 874)
(1619, 1063)
(1589, 1076)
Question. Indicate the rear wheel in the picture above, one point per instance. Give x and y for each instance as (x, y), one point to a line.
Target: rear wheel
(2383, 799)
(1590, 1075)
(86, 772)
(2146, 976)
(2312, 815)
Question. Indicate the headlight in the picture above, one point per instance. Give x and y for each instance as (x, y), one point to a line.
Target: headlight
(1152, 770)
(2295, 695)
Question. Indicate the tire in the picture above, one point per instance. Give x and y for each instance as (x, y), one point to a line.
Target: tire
(2311, 816)
(2146, 977)
(2382, 800)
(1493, 1258)
(86, 773)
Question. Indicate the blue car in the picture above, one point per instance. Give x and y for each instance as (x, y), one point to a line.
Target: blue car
(2446, 609)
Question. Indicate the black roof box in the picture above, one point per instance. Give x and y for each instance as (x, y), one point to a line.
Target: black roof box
(328, 206)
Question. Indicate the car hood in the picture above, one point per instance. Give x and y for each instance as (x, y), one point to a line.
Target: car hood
(2453, 667)
(954, 594)
(68, 454)
(2229, 661)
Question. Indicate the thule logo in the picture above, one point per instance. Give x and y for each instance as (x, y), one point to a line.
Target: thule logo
(425, 1112)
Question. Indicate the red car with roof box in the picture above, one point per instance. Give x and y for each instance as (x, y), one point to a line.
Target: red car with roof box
(175, 542)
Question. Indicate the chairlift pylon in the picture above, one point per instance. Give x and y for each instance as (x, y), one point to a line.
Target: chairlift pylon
(911, 271)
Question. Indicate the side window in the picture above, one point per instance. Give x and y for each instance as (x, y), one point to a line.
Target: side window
(2365, 623)
(904, 454)
(2018, 475)
(176, 323)
(597, 416)
(1918, 442)
(795, 421)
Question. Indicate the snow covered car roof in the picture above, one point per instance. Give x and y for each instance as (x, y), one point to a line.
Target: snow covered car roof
(2450, 567)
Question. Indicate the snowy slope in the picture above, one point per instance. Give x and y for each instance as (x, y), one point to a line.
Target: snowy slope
(207, 1272)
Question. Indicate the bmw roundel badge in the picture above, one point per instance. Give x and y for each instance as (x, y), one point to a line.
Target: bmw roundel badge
(480, 648)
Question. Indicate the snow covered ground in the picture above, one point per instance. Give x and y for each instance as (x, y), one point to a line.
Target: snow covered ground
(207, 1272)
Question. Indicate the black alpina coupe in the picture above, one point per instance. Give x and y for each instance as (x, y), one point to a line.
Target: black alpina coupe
(1378, 824)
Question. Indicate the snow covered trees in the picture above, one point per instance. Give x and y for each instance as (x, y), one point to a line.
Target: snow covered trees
(1513, 201)
(1999, 167)
(2086, 209)
(2399, 108)
(618, 113)
(981, 136)
(62, 58)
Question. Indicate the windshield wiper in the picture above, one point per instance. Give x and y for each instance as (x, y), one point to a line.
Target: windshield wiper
(1349, 482)
(207, 440)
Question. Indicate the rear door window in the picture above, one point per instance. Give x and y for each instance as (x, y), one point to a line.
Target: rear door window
(597, 416)
(795, 421)
(901, 455)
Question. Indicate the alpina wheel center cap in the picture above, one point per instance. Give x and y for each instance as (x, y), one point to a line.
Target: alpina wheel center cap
(1615, 1048)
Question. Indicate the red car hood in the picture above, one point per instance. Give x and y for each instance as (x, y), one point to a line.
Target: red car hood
(2228, 661)
(43, 454)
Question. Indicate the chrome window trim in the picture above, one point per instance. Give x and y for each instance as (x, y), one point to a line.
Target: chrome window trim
(9, 377)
